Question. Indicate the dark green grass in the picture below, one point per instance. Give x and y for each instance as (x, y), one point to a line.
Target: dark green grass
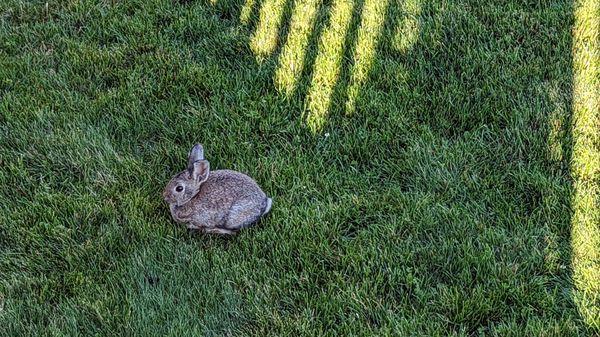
(440, 207)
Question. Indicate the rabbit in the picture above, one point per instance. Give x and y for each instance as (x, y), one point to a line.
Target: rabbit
(220, 202)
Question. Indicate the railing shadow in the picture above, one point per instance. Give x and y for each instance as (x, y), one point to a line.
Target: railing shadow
(326, 50)
(326, 60)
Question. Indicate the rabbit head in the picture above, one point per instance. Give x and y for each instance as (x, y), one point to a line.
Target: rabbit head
(185, 185)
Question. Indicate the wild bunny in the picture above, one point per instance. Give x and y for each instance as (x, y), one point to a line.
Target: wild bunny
(221, 201)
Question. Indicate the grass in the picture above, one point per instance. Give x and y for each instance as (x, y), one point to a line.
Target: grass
(585, 164)
(434, 166)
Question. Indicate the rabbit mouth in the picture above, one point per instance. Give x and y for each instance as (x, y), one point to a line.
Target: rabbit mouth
(179, 203)
(169, 199)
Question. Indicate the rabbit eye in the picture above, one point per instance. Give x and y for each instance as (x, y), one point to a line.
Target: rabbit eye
(179, 188)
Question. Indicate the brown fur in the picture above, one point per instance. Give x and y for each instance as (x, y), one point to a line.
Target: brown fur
(221, 201)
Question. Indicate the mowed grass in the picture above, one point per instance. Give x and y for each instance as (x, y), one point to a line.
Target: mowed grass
(434, 166)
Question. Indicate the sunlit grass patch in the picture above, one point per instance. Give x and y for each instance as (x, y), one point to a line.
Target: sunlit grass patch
(328, 64)
(585, 161)
(373, 16)
(246, 11)
(407, 30)
(265, 38)
(291, 60)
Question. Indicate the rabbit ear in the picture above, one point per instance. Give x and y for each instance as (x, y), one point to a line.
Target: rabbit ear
(199, 171)
(196, 154)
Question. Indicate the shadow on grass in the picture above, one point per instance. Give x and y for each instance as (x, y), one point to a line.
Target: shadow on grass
(335, 53)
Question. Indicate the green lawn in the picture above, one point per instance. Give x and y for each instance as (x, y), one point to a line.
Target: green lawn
(434, 165)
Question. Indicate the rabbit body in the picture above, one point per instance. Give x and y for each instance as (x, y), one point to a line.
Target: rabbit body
(220, 202)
